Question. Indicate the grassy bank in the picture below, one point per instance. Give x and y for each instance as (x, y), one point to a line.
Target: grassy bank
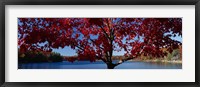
(159, 60)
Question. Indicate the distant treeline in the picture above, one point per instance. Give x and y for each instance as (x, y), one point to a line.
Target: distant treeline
(175, 55)
(36, 57)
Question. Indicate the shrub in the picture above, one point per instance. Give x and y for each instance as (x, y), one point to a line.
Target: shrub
(175, 52)
(174, 55)
(169, 56)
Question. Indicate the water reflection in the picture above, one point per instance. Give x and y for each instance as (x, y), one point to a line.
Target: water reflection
(100, 65)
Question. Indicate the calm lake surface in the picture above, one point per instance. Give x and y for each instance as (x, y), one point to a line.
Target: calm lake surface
(100, 65)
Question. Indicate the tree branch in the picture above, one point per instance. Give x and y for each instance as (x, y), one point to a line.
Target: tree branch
(78, 46)
(124, 60)
(95, 43)
(104, 32)
(101, 59)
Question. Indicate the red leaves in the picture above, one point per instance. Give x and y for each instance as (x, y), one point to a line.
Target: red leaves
(96, 21)
(95, 37)
(71, 59)
(23, 48)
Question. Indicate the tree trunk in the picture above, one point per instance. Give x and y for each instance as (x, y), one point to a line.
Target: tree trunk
(110, 66)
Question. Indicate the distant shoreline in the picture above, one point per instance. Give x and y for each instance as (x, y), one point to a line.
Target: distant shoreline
(162, 61)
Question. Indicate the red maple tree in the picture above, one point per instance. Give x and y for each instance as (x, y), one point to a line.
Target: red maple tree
(97, 38)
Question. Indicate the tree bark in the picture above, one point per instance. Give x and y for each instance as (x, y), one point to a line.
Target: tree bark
(110, 66)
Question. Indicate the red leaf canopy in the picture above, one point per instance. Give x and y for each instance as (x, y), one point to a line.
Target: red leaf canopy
(97, 38)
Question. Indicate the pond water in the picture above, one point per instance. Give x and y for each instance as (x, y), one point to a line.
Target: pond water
(100, 65)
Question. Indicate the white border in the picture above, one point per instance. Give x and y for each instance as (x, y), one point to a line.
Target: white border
(186, 74)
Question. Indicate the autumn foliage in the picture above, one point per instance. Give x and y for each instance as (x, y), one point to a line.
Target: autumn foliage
(97, 38)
